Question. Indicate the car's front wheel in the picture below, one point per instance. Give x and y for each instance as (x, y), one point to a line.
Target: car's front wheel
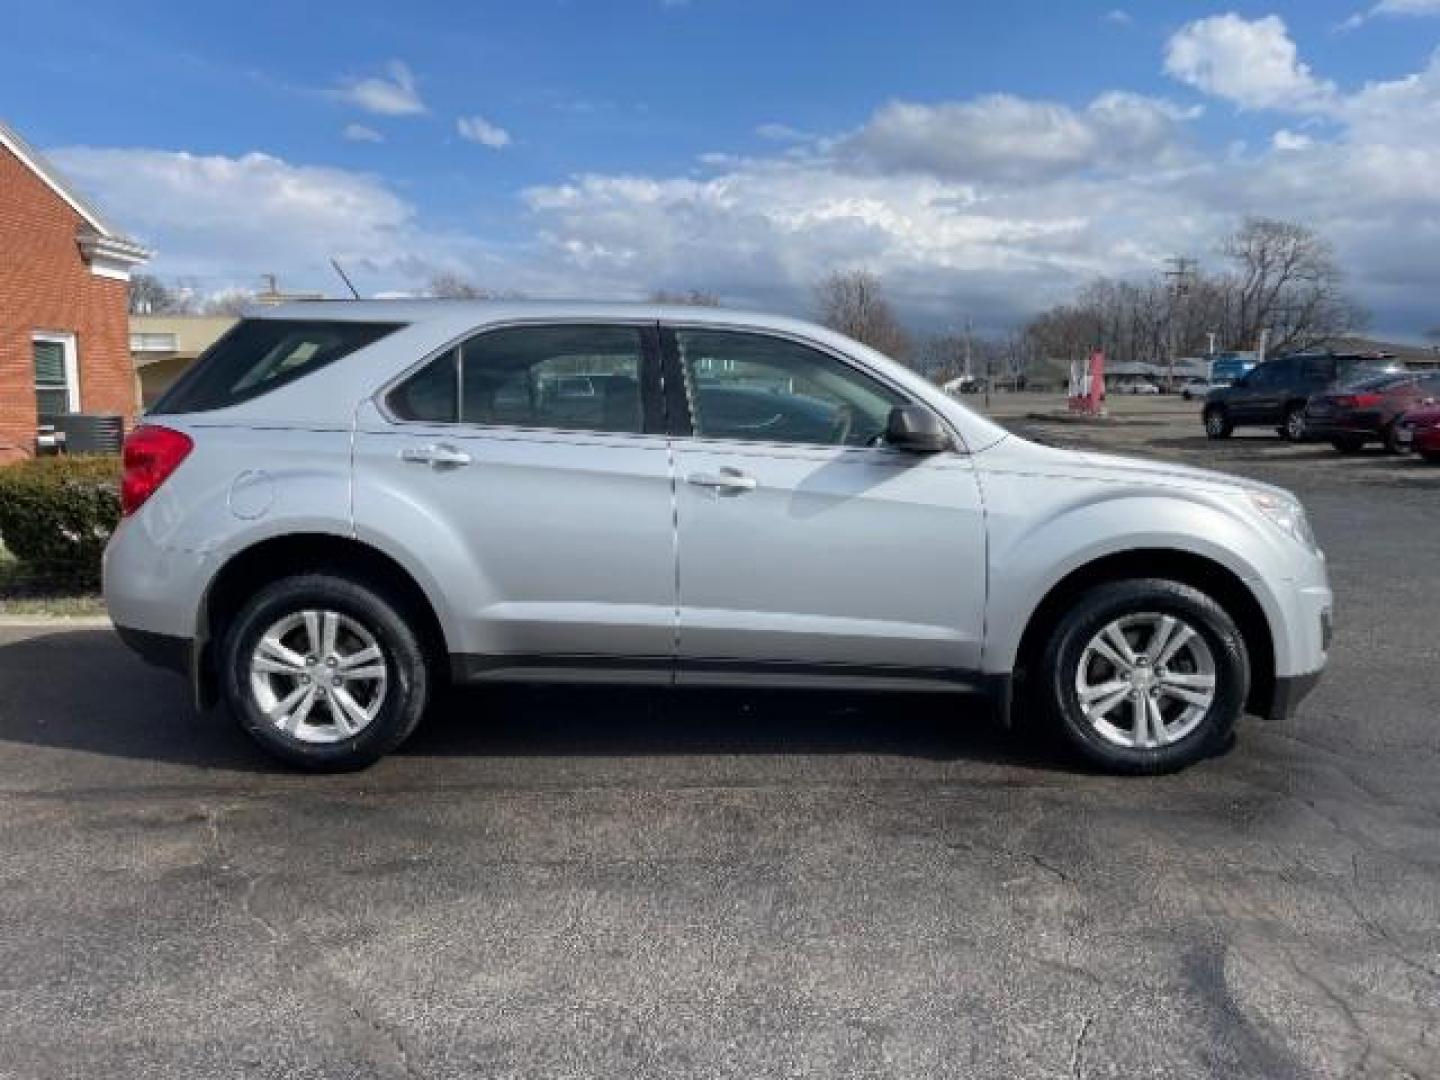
(1217, 422)
(1146, 676)
(324, 672)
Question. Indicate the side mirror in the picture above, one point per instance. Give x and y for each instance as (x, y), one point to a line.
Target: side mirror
(917, 429)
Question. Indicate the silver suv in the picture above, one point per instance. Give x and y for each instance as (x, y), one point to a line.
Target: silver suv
(345, 505)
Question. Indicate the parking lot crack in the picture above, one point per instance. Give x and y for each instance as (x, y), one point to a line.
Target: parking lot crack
(298, 959)
(1077, 1070)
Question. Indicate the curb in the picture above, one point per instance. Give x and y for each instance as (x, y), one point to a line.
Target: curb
(1080, 419)
(23, 621)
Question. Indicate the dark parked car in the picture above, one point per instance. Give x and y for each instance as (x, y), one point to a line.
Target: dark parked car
(1366, 411)
(1275, 393)
(1419, 430)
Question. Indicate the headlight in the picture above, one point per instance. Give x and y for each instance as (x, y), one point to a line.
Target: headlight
(1286, 513)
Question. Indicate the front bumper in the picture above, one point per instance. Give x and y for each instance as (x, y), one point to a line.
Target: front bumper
(1289, 691)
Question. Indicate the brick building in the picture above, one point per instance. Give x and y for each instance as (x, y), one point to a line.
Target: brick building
(64, 297)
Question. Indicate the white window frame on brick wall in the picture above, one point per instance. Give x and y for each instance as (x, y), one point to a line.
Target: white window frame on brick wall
(66, 341)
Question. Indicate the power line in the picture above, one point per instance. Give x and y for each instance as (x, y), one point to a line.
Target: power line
(1181, 274)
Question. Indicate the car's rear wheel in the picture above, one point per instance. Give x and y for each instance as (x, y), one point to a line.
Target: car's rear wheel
(1348, 444)
(324, 672)
(1146, 676)
(1294, 427)
(1217, 422)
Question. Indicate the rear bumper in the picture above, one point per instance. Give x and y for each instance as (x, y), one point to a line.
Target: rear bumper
(1320, 427)
(162, 650)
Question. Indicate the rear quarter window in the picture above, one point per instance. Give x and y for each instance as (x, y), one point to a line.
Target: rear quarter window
(261, 355)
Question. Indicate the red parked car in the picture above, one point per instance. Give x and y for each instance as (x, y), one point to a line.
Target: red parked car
(1366, 411)
(1419, 429)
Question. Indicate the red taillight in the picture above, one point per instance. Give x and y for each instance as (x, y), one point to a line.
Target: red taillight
(1367, 401)
(1343, 401)
(152, 453)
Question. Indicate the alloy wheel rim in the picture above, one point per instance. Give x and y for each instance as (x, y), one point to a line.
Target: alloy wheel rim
(1146, 681)
(319, 676)
(1214, 422)
(1297, 424)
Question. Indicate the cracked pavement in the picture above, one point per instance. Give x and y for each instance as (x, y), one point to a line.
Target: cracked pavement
(603, 883)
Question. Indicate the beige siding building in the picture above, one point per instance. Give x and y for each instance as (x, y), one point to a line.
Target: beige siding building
(163, 346)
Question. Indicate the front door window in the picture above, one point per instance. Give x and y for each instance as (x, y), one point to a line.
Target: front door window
(766, 389)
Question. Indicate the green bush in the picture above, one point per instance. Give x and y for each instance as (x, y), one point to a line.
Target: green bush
(56, 513)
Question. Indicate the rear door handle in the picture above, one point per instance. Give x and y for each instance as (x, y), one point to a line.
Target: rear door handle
(436, 455)
(728, 481)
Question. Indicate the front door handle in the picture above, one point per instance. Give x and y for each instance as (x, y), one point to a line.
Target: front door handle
(436, 455)
(728, 481)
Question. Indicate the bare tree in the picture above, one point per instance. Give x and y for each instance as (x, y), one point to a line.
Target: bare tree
(854, 304)
(692, 298)
(150, 296)
(1287, 280)
(940, 357)
(228, 302)
(452, 286)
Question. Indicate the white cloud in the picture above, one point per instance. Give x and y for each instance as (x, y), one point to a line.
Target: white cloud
(1408, 7)
(395, 96)
(781, 133)
(1253, 63)
(1285, 139)
(1119, 17)
(478, 129)
(224, 220)
(982, 222)
(1001, 208)
(1391, 7)
(361, 133)
(1003, 137)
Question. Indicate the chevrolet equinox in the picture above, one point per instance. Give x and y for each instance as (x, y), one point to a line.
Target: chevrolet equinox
(344, 505)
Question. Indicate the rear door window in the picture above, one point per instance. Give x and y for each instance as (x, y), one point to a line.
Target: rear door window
(567, 378)
(1317, 371)
(260, 355)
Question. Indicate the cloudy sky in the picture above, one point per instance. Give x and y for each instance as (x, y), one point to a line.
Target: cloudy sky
(983, 158)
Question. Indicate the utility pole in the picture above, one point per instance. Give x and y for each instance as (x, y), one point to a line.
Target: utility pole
(968, 325)
(1181, 276)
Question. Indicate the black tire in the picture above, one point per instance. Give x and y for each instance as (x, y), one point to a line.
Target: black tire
(1392, 444)
(1217, 422)
(1430, 456)
(1101, 606)
(1348, 444)
(408, 683)
(1293, 429)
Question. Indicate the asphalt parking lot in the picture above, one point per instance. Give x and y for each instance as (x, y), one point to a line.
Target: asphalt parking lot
(604, 884)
